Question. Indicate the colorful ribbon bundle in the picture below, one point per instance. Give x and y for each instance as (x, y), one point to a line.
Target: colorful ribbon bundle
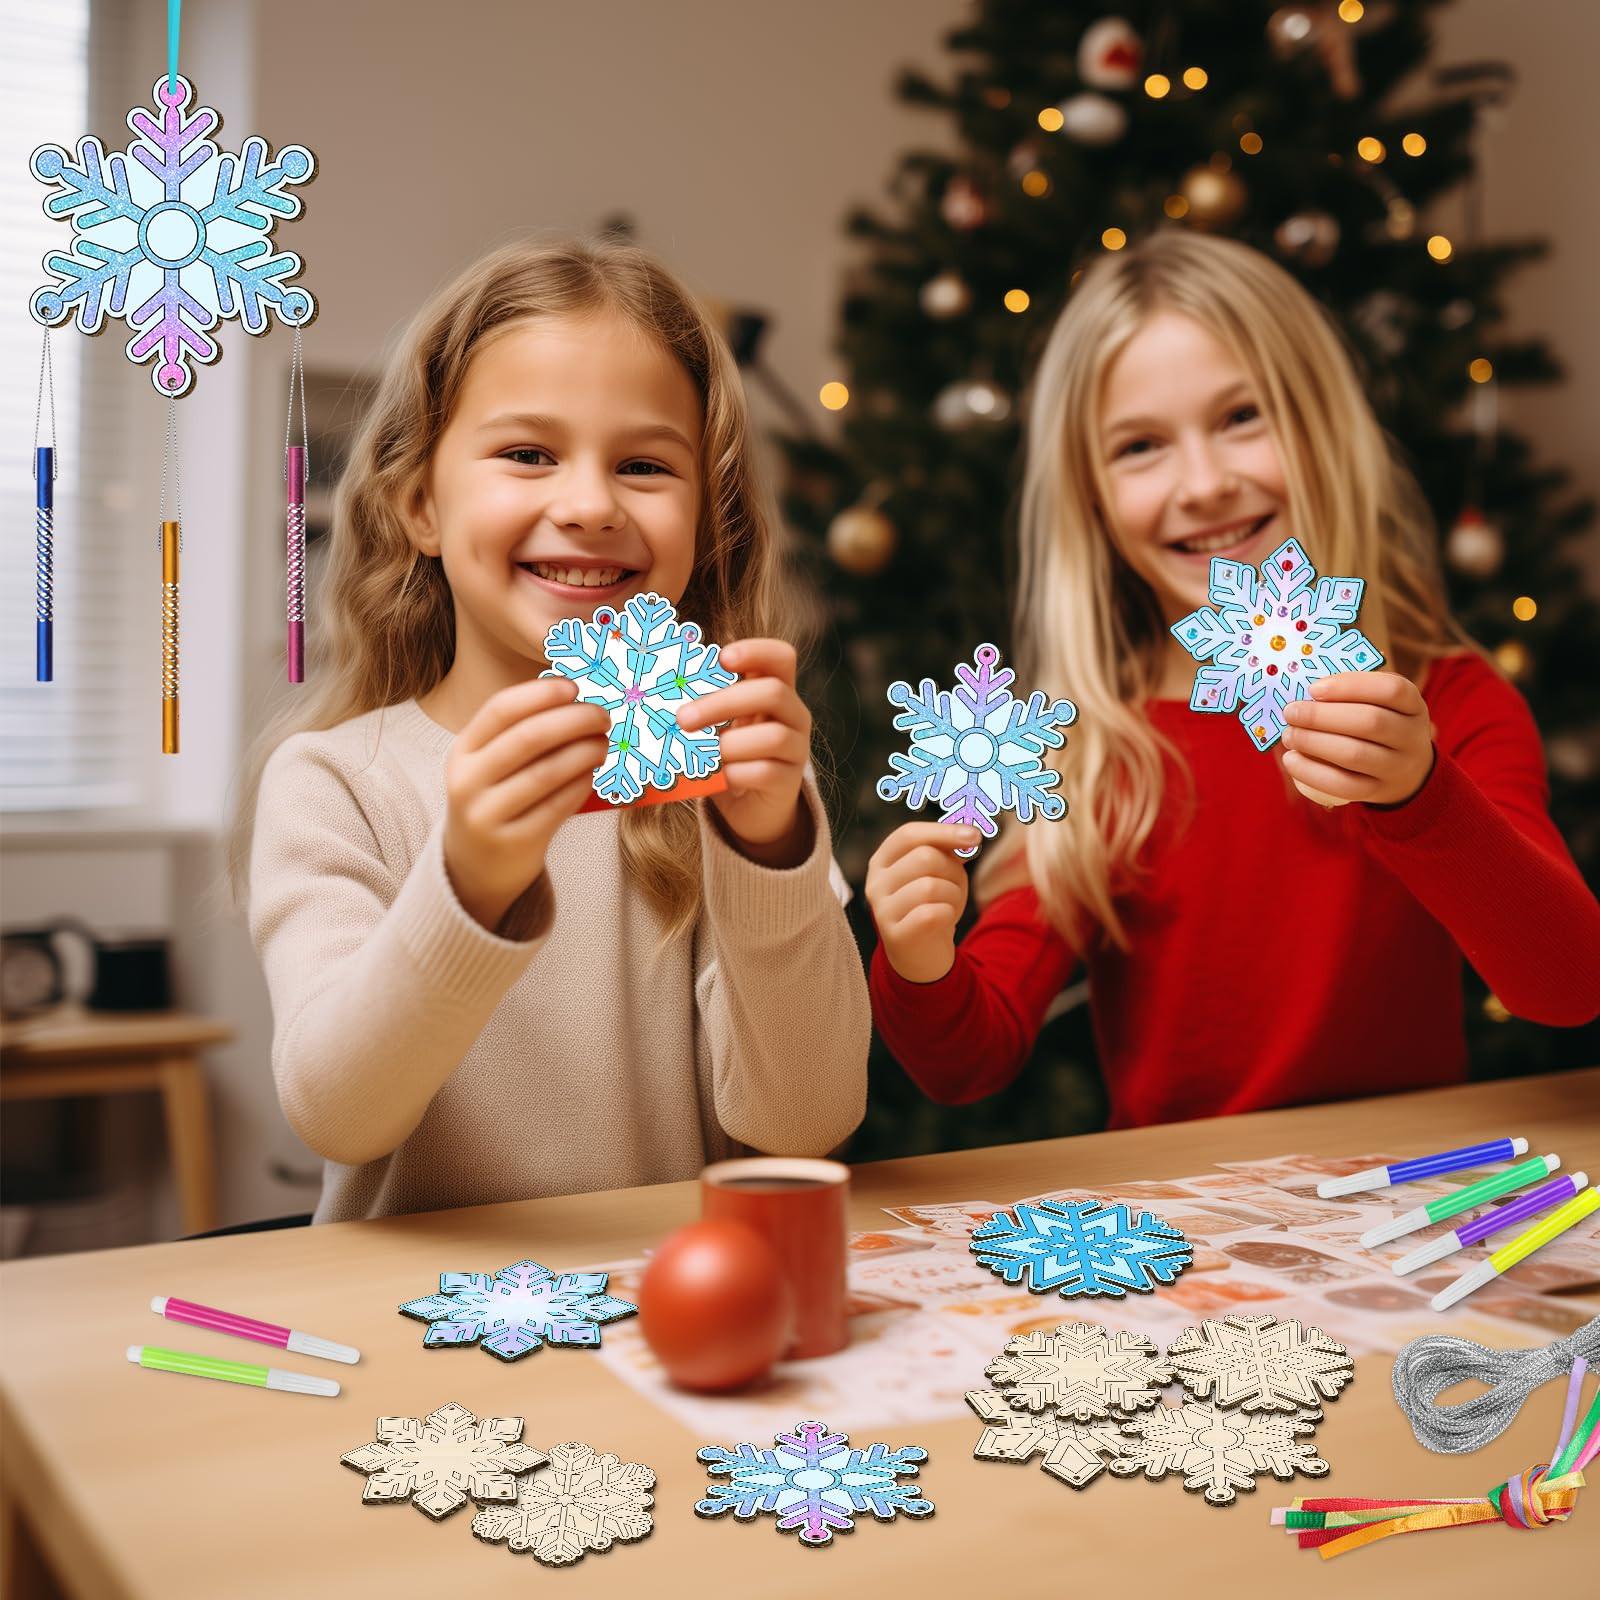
(1543, 1494)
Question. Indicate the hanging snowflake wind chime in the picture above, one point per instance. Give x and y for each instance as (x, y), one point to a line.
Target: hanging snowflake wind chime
(170, 237)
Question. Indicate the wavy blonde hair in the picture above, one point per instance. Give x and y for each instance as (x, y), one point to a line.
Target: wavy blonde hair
(385, 628)
(1088, 627)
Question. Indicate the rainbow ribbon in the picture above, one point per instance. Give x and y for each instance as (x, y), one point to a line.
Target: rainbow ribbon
(1541, 1495)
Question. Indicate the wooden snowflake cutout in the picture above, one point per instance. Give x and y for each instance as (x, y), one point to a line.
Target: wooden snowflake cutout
(1080, 1371)
(438, 1460)
(1074, 1452)
(1218, 1452)
(1260, 1363)
(576, 1503)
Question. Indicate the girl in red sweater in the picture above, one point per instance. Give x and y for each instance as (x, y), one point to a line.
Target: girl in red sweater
(1259, 930)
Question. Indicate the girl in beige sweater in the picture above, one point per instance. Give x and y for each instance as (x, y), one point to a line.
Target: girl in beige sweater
(478, 993)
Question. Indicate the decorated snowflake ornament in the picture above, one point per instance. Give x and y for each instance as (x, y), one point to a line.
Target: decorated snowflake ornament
(438, 1460)
(1074, 1452)
(1270, 640)
(172, 235)
(814, 1482)
(577, 1502)
(1219, 1451)
(1260, 1363)
(1080, 1372)
(976, 750)
(1081, 1247)
(643, 665)
(517, 1309)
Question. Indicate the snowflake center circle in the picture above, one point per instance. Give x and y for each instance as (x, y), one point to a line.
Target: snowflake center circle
(1219, 1437)
(976, 750)
(172, 234)
(813, 1478)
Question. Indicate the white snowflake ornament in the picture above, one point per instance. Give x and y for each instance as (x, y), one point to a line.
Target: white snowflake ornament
(1074, 1452)
(1269, 641)
(1218, 1451)
(643, 665)
(171, 236)
(579, 1501)
(438, 1460)
(1081, 1247)
(517, 1309)
(1260, 1363)
(976, 750)
(1080, 1372)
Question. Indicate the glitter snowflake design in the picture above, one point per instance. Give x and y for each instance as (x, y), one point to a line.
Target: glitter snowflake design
(518, 1309)
(1074, 1452)
(1259, 1363)
(172, 235)
(438, 1460)
(642, 665)
(1271, 641)
(814, 1482)
(1218, 1451)
(1081, 1247)
(1080, 1372)
(579, 1502)
(977, 750)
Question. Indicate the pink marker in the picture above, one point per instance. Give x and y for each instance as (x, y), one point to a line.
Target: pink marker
(305, 1344)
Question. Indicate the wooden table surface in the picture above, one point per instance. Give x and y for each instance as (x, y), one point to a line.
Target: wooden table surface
(141, 1484)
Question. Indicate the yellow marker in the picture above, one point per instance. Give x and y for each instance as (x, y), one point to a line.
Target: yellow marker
(1508, 1255)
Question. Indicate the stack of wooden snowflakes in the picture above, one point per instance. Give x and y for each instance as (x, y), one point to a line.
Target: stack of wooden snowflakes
(1091, 1401)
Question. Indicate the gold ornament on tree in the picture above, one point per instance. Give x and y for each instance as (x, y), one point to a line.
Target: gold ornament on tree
(1308, 238)
(861, 539)
(1215, 198)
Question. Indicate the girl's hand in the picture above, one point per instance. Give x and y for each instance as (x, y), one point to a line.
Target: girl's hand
(517, 771)
(1361, 736)
(917, 889)
(764, 751)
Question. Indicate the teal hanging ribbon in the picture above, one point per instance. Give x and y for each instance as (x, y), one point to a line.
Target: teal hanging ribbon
(174, 28)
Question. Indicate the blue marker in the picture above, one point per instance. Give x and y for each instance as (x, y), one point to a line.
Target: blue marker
(1472, 1155)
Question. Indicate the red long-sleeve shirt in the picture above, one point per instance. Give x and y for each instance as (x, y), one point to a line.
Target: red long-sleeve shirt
(1280, 953)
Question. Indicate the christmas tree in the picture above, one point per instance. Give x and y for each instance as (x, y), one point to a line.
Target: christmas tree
(1319, 133)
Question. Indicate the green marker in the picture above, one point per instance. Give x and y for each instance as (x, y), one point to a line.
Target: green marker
(1447, 1205)
(193, 1366)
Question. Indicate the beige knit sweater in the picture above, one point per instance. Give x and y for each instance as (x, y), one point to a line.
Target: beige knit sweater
(433, 1063)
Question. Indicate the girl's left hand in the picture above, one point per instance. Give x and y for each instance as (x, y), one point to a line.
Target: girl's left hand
(1361, 736)
(764, 751)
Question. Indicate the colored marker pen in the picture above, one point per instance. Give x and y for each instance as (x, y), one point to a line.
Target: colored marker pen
(1471, 1155)
(193, 1366)
(1508, 1255)
(1506, 1216)
(1459, 1200)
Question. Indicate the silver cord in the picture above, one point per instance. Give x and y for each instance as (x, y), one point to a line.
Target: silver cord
(1430, 1365)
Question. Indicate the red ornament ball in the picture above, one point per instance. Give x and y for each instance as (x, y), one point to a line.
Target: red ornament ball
(714, 1305)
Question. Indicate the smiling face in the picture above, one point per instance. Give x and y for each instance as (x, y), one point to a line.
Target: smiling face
(568, 476)
(1190, 462)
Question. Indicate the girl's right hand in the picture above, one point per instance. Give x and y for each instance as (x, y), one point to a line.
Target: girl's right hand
(518, 770)
(917, 889)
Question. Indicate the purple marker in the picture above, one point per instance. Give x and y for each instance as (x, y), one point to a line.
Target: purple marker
(1472, 1155)
(1506, 1216)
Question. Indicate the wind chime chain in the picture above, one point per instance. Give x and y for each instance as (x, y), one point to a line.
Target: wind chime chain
(297, 373)
(47, 385)
(170, 472)
(1428, 1366)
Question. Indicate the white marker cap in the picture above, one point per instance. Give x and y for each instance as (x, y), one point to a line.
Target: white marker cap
(158, 1304)
(1464, 1285)
(1426, 1254)
(308, 1344)
(300, 1383)
(1406, 1222)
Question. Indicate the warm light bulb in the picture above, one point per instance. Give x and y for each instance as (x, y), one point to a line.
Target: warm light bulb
(1175, 206)
(1413, 144)
(1370, 149)
(1050, 119)
(1195, 78)
(1035, 183)
(1157, 86)
(834, 396)
(1113, 238)
(1251, 144)
(1524, 608)
(1351, 10)
(1440, 247)
(1016, 299)
(1481, 370)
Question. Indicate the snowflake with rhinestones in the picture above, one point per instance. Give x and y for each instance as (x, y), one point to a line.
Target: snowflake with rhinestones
(172, 235)
(1269, 641)
(814, 1482)
(976, 750)
(1080, 1372)
(1219, 1451)
(1081, 1247)
(1260, 1363)
(518, 1309)
(438, 1460)
(643, 666)
(1074, 1452)
(579, 1501)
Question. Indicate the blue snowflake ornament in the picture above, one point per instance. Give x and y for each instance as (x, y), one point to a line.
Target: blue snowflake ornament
(1081, 1248)
(977, 750)
(642, 665)
(814, 1482)
(172, 235)
(518, 1309)
(1270, 641)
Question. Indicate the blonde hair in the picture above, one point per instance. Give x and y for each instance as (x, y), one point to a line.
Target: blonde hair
(385, 620)
(1089, 628)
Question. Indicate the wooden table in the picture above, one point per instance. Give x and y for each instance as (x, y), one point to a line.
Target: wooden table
(138, 1484)
(76, 1052)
